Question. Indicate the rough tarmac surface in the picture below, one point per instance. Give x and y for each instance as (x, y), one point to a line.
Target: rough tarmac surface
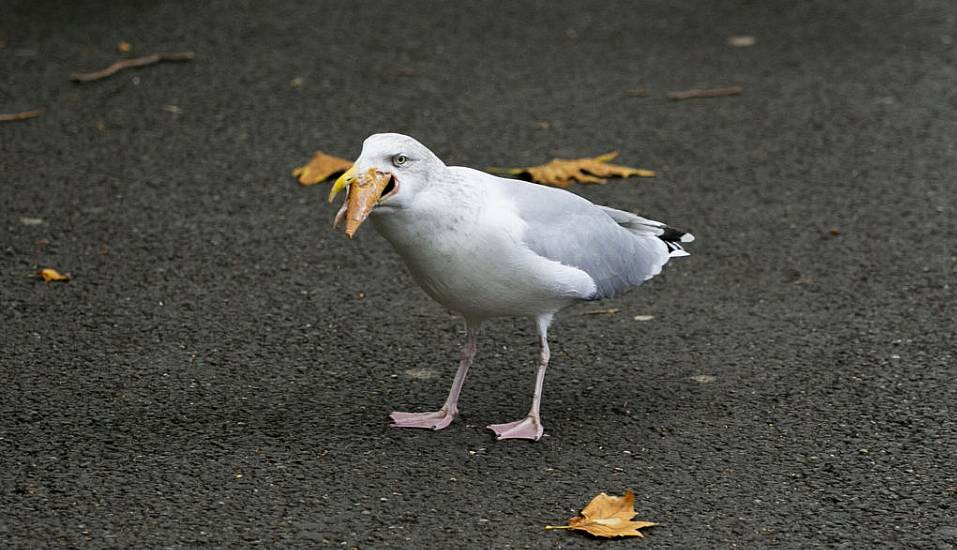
(220, 370)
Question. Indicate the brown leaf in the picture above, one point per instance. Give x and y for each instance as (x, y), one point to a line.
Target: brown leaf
(49, 274)
(607, 516)
(564, 172)
(124, 47)
(321, 168)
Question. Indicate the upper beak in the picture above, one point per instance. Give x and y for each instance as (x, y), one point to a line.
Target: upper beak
(363, 194)
(342, 182)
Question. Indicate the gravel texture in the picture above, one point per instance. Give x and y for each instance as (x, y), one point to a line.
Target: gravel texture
(220, 369)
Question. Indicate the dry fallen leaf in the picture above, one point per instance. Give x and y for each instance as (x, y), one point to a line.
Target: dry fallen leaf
(564, 172)
(124, 47)
(321, 168)
(49, 274)
(608, 517)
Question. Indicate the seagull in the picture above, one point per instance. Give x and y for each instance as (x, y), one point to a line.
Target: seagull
(487, 247)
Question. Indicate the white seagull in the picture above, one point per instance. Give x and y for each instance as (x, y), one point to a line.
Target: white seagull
(487, 247)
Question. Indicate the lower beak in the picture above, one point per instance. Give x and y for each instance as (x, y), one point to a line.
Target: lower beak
(363, 194)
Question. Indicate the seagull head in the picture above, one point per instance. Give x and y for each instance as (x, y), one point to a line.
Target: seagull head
(388, 174)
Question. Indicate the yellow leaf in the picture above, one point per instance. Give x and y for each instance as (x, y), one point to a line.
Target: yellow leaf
(49, 274)
(124, 47)
(321, 168)
(607, 516)
(564, 172)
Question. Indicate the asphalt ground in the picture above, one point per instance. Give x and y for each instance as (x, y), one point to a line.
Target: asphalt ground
(220, 369)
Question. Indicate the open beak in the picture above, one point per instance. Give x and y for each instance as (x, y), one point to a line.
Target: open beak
(362, 196)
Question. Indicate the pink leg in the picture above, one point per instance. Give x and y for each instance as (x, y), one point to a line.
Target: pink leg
(443, 417)
(530, 427)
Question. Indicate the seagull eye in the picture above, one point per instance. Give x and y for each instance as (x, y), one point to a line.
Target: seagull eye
(400, 160)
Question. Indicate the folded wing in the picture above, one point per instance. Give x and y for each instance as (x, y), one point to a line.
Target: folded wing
(617, 249)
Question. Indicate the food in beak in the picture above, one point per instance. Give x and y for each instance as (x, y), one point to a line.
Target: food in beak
(363, 195)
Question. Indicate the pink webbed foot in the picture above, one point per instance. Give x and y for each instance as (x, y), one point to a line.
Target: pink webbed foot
(429, 420)
(529, 427)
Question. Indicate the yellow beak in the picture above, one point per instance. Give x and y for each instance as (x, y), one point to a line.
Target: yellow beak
(342, 182)
(362, 196)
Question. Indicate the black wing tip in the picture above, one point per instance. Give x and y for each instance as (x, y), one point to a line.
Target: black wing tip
(672, 235)
(673, 238)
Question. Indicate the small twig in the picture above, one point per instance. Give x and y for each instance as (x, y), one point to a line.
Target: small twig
(609, 311)
(715, 92)
(25, 115)
(130, 63)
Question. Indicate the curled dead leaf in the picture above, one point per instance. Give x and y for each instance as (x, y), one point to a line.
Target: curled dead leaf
(608, 517)
(49, 274)
(321, 168)
(364, 194)
(564, 172)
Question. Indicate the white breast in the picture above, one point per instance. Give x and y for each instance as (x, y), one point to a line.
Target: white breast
(470, 257)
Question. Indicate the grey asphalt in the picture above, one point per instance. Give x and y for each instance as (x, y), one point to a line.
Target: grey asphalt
(220, 369)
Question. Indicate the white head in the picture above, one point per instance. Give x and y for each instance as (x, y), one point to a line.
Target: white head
(390, 171)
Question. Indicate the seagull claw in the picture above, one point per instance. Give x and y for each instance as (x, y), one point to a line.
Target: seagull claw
(429, 420)
(529, 427)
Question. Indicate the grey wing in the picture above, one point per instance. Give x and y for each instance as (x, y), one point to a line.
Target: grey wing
(672, 237)
(617, 249)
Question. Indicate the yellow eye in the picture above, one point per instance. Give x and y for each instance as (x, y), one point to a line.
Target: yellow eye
(400, 160)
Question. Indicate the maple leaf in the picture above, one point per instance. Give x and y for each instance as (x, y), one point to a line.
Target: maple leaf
(321, 168)
(564, 172)
(49, 274)
(607, 516)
